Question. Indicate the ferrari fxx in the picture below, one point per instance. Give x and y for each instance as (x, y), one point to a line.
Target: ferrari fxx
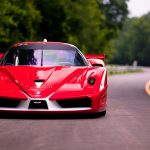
(52, 77)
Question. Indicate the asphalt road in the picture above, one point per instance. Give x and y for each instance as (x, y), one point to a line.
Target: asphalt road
(125, 127)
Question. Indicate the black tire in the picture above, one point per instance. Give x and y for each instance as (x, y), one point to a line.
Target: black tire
(103, 113)
(99, 114)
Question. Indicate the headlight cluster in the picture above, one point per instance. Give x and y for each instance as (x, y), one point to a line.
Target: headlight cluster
(91, 80)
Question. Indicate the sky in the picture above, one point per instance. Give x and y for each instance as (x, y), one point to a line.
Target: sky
(138, 8)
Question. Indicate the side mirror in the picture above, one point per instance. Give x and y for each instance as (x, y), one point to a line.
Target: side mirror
(96, 62)
(1, 55)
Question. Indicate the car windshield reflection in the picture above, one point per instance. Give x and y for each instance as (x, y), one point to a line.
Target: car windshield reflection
(43, 57)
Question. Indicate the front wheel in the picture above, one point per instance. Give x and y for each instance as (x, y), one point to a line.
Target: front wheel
(103, 113)
(100, 114)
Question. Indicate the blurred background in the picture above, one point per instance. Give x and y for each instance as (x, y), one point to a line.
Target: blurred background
(118, 28)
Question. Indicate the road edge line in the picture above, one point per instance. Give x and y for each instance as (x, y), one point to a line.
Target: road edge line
(147, 88)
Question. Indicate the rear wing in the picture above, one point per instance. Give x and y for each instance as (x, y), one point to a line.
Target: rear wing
(95, 56)
(96, 59)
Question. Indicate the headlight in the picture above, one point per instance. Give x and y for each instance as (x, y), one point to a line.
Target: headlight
(91, 80)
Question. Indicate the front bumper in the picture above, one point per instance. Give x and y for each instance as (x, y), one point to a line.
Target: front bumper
(89, 104)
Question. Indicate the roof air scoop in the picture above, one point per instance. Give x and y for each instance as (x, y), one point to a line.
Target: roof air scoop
(38, 83)
(45, 40)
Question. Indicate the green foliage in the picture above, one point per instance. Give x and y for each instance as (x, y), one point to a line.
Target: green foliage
(53, 18)
(18, 21)
(89, 24)
(133, 42)
(114, 14)
(84, 23)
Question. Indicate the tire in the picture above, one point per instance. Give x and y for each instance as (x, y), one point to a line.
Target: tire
(99, 114)
(103, 113)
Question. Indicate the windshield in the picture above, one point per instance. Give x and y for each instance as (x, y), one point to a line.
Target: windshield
(45, 57)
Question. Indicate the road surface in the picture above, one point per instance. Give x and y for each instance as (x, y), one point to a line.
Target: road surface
(125, 127)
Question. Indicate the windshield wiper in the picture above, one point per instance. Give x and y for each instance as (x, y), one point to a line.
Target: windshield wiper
(42, 57)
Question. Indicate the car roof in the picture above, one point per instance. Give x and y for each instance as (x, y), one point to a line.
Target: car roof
(44, 43)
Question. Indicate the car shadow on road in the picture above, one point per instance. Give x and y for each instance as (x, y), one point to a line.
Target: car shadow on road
(49, 116)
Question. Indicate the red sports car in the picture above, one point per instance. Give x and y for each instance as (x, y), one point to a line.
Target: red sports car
(52, 77)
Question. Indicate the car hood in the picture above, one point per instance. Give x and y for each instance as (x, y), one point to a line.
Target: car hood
(56, 82)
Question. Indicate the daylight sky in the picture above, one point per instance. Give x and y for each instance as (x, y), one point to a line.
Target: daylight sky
(138, 8)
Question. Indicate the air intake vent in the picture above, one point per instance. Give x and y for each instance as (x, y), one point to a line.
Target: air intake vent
(38, 104)
(38, 83)
(4, 102)
(74, 103)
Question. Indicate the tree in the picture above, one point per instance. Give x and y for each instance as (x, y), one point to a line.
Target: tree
(85, 23)
(89, 24)
(133, 42)
(19, 21)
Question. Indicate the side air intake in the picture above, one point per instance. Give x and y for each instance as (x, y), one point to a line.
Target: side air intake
(12, 103)
(75, 103)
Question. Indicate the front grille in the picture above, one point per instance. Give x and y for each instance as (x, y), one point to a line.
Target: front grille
(74, 103)
(5, 102)
(38, 104)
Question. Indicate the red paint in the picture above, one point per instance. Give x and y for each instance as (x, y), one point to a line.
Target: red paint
(1, 55)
